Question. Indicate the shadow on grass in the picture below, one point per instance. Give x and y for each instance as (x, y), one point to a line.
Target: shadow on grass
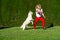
(38, 27)
(32, 28)
(4, 27)
(49, 26)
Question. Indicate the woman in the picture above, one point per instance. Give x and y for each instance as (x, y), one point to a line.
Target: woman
(39, 14)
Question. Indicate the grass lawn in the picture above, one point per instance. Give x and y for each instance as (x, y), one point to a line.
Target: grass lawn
(15, 33)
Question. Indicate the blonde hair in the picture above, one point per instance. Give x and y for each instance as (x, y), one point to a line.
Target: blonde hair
(38, 5)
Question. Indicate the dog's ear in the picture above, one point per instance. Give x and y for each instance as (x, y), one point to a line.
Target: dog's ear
(30, 11)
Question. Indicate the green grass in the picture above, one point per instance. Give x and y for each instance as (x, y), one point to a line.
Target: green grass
(15, 33)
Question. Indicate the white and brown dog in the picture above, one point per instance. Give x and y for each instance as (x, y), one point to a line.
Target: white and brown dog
(27, 21)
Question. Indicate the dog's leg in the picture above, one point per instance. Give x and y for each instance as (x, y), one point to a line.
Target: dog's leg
(32, 22)
(24, 28)
(21, 26)
(26, 25)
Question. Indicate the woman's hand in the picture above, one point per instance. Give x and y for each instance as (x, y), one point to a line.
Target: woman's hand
(43, 15)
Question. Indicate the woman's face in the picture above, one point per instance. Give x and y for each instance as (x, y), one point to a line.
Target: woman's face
(39, 7)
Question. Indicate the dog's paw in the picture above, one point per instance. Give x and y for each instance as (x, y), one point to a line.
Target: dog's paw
(23, 29)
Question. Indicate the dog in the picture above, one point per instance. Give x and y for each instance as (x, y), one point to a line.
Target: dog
(28, 20)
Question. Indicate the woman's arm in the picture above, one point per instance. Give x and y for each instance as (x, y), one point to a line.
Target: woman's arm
(43, 15)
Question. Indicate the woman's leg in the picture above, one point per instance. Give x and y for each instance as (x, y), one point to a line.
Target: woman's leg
(43, 22)
(35, 22)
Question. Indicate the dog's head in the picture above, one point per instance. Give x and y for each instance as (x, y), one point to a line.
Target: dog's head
(30, 13)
